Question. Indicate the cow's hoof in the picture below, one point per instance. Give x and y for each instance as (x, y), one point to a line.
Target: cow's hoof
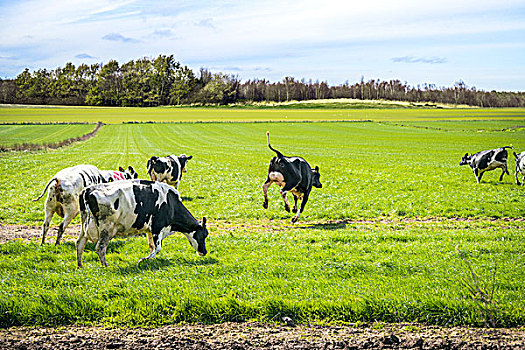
(294, 210)
(287, 208)
(265, 205)
(294, 219)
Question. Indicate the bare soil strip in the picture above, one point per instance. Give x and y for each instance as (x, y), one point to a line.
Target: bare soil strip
(263, 336)
(27, 233)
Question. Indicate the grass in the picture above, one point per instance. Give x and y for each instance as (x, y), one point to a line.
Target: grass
(360, 252)
(40, 134)
(367, 169)
(311, 273)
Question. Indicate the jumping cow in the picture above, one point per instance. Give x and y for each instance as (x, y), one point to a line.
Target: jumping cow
(487, 160)
(168, 169)
(127, 208)
(65, 187)
(520, 167)
(294, 175)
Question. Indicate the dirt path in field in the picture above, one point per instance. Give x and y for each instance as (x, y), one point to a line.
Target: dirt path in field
(26, 233)
(263, 336)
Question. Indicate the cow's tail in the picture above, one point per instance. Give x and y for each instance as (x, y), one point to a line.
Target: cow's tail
(511, 147)
(45, 189)
(279, 154)
(85, 211)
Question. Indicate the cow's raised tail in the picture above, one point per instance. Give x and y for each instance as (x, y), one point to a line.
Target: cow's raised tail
(279, 154)
(45, 189)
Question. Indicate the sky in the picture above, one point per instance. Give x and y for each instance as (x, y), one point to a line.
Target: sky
(479, 42)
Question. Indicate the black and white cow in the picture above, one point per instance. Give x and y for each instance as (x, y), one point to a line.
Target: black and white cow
(487, 160)
(168, 169)
(294, 175)
(65, 187)
(127, 208)
(520, 167)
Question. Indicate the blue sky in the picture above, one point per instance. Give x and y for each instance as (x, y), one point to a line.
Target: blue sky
(481, 42)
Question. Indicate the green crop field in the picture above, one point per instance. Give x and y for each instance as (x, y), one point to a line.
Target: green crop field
(174, 114)
(388, 238)
(40, 134)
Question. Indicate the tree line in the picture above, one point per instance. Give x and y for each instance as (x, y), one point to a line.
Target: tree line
(164, 81)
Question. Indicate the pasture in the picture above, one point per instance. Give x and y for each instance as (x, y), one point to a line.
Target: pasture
(388, 238)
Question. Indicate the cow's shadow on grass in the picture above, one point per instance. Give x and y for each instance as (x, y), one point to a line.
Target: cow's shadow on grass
(113, 246)
(324, 226)
(159, 263)
(189, 199)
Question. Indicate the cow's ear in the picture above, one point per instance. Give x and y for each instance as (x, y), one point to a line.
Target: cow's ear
(316, 169)
(466, 155)
(189, 157)
(203, 221)
(121, 169)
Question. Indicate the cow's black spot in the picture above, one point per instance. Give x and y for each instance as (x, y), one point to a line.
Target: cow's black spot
(92, 203)
(83, 179)
(115, 205)
(145, 197)
(502, 156)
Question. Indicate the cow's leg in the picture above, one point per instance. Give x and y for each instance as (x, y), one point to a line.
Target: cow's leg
(47, 221)
(303, 203)
(287, 187)
(68, 217)
(479, 175)
(286, 203)
(151, 244)
(80, 245)
(517, 178)
(523, 180)
(102, 245)
(157, 239)
(265, 186)
(504, 167)
(295, 198)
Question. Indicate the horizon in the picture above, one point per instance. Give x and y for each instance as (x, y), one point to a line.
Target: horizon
(439, 43)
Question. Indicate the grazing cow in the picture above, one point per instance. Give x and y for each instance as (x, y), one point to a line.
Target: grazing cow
(168, 169)
(520, 167)
(65, 187)
(487, 160)
(127, 208)
(293, 174)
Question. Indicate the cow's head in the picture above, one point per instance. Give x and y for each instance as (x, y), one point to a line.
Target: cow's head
(197, 238)
(183, 159)
(316, 178)
(465, 160)
(130, 173)
(151, 163)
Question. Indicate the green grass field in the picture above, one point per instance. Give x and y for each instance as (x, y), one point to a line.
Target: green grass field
(380, 241)
(41, 134)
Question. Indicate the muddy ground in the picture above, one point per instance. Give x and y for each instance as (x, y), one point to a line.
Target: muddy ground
(283, 335)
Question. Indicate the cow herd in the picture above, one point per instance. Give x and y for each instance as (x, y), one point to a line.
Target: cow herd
(118, 204)
(493, 159)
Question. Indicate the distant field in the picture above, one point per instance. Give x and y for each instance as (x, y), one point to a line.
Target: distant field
(172, 114)
(41, 134)
(381, 241)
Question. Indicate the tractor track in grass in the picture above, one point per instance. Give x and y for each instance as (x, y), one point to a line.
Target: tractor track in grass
(254, 335)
